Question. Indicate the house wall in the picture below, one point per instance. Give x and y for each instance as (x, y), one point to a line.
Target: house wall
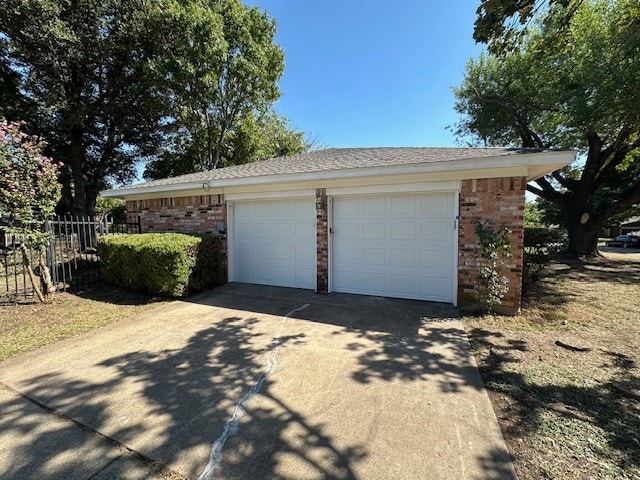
(322, 245)
(498, 199)
(191, 214)
(502, 201)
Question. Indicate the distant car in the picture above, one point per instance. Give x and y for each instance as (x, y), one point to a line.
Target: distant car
(624, 241)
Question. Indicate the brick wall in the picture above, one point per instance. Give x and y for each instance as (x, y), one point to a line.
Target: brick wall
(322, 239)
(192, 214)
(502, 201)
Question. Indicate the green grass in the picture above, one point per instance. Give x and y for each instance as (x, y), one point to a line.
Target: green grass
(26, 327)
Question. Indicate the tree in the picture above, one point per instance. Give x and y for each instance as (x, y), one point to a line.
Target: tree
(110, 83)
(252, 138)
(29, 191)
(83, 67)
(502, 24)
(579, 91)
(223, 79)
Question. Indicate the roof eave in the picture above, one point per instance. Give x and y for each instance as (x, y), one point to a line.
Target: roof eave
(533, 165)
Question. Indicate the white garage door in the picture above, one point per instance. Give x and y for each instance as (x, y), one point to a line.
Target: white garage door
(395, 246)
(274, 243)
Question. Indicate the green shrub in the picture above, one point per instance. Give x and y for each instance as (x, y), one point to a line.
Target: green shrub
(171, 264)
(540, 246)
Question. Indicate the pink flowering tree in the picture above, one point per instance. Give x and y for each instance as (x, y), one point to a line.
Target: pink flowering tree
(29, 191)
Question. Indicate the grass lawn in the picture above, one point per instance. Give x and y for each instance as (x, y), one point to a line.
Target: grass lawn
(564, 377)
(25, 327)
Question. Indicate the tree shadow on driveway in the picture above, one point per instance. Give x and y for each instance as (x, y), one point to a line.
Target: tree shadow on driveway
(174, 404)
(171, 398)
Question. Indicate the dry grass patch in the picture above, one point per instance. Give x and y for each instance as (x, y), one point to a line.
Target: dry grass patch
(564, 377)
(25, 327)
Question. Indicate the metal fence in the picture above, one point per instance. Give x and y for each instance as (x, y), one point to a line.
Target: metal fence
(70, 255)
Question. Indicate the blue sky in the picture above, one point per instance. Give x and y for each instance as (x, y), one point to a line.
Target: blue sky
(372, 73)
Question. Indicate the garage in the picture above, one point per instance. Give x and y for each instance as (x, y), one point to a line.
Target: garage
(397, 245)
(274, 243)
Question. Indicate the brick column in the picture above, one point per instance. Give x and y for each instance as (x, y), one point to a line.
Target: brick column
(502, 201)
(322, 242)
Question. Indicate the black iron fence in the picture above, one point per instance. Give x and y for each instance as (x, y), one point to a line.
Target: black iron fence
(70, 255)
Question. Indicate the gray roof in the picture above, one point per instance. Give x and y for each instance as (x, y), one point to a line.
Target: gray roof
(337, 159)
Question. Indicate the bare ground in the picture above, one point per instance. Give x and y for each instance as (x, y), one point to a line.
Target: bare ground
(564, 377)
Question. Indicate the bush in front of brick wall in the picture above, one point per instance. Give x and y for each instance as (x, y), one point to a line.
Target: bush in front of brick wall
(170, 264)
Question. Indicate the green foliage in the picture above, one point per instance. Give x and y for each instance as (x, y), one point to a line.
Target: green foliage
(503, 24)
(109, 83)
(532, 215)
(575, 85)
(114, 207)
(253, 138)
(541, 245)
(494, 247)
(160, 263)
(83, 68)
(226, 76)
(29, 187)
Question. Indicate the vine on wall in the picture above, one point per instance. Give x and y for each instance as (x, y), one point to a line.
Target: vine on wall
(494, 247)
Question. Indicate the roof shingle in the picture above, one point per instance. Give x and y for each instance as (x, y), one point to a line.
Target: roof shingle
(337, 159)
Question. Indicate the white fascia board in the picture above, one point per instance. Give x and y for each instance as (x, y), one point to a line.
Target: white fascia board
(270, 195)
(450, 186)
(530, 165)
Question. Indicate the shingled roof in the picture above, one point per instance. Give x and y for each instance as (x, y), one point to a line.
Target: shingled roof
(337, 159)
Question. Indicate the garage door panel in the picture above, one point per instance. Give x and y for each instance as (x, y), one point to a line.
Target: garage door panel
(304, 209)
(274, 242)
(437, 287)
(403, 205)
(403, 231)
(435, 205)
(373, 206)
(305, 254)
(282, 210)
(402, 284)
(304, 276)
(434, 258)
(402, 258)
(436, 230)
(396, 245)
(346, 208)
(345, 256)
(305, 230)
(282, 230)
(373, 282)
(374, 256)
(282, 252)
(263, 230)
(348, 230)
(374, 231)
(347, 281)
(262, 252)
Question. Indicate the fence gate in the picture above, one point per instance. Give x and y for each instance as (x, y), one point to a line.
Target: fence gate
(71, 255)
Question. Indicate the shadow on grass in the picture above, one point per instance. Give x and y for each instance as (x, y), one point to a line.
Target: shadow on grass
(602, 405)
(108, 293)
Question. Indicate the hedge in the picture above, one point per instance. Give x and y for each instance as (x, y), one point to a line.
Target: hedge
(170, 264)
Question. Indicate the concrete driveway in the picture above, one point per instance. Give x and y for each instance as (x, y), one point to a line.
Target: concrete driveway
(249, 382)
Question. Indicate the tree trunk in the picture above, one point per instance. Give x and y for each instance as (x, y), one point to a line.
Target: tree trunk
(583, 237)
(77, 155)
(26, 263)
(46, 284)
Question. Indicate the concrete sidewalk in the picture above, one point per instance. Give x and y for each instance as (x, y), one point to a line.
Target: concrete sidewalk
(249, 382)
